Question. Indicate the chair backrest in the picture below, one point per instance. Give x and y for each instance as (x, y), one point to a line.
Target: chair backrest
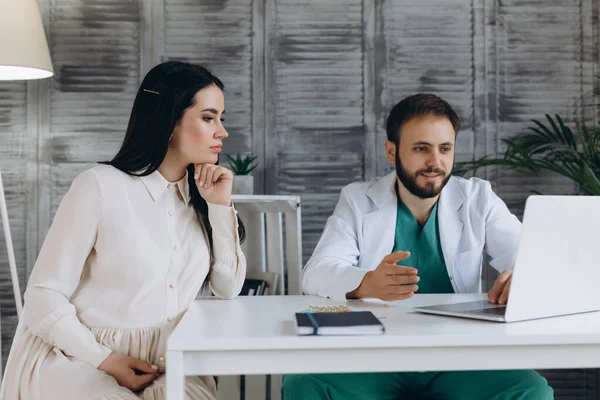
(273, 238)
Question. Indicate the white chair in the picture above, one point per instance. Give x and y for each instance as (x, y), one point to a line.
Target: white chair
(273, 247)
(273, 238)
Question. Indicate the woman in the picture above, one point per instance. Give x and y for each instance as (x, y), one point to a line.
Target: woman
(131, 245)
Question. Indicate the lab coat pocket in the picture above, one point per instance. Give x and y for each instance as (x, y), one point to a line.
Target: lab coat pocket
(467, 265)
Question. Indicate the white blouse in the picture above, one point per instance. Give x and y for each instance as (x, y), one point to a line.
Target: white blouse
(126, 252)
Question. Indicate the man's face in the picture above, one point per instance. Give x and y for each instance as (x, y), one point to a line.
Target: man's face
(425, 155)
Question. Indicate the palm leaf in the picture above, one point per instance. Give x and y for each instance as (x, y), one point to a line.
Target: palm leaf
(551, 134)
(551, 147)
(567, 133)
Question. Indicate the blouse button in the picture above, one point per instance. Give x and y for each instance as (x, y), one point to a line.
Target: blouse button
(171, 286)
(171, 213)
(170, 187)
(175, 248)
(170, 319)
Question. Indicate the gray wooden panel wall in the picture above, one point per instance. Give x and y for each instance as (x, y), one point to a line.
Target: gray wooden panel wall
(213, 33)
(309, 84)
(431, 54)
(15, 146)
(315, 126)
(545, 63)
(95, 52)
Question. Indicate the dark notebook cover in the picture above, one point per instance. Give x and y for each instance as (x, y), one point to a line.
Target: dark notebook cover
(257, 286)
(342, 322)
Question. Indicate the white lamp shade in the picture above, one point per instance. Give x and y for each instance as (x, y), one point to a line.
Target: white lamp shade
(23, 47)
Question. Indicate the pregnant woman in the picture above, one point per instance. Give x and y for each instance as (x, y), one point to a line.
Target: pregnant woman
(132, 244)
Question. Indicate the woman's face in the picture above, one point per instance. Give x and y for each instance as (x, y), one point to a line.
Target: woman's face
(198, 135)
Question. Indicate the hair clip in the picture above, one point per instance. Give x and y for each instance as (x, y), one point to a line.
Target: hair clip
(150, 91)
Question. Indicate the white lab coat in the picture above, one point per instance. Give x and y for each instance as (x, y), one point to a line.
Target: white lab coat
(360, 233)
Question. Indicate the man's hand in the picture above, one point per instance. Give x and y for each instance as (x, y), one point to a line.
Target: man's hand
(499, 293)
(129, 372)
(388, 281)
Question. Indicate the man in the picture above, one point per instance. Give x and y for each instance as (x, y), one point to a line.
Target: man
(416, 230)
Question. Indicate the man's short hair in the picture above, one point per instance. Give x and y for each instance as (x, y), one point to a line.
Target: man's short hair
(418, 105)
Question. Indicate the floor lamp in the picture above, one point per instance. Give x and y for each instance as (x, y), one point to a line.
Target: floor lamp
(24, 55)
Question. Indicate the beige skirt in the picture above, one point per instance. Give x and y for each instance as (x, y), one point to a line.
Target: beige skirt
(38, 371)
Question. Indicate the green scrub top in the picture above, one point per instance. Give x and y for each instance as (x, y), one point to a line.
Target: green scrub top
(425, 250)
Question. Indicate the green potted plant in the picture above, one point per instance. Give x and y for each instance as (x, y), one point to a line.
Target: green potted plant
(241, 166)
(551, 146)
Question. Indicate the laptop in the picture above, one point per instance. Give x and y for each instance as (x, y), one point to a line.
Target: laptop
(557, 268)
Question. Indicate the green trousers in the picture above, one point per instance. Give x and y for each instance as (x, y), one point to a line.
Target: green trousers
(455, 385)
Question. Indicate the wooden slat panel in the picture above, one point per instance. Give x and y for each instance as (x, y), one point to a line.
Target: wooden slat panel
(319, 207)
(538, 53)
(258, 93)
(316, 76)
(514, 187)
(95, 51)
(14, 153)
(218, 35)
(328, 173)
(430, 49)
(371, 84)
(12, 114)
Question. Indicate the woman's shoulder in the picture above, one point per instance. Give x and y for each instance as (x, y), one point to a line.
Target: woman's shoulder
(106, 176)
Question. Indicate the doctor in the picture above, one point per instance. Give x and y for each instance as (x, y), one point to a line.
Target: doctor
(416, 230)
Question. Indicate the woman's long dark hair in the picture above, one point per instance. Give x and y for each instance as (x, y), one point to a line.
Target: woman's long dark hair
(165, 93)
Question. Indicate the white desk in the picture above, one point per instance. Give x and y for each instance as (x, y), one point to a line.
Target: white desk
(255, 335)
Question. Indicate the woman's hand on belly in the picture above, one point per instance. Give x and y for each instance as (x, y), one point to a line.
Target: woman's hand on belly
(129, 372)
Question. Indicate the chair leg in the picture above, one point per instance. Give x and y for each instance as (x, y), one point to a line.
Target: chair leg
(242, 387)
(268, 387)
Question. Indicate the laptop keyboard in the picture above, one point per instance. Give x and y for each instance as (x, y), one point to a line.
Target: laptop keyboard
(492, 311)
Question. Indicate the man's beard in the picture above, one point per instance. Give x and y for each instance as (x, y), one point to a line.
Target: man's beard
(410, 181)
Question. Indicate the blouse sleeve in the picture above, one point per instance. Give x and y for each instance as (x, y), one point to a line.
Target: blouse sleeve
(229, 266)
(70, 241)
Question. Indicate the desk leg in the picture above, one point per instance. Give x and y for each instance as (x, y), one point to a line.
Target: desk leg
(175, 376)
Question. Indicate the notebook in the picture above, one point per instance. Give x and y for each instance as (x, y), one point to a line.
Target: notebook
(254, 287)
(338, 323)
